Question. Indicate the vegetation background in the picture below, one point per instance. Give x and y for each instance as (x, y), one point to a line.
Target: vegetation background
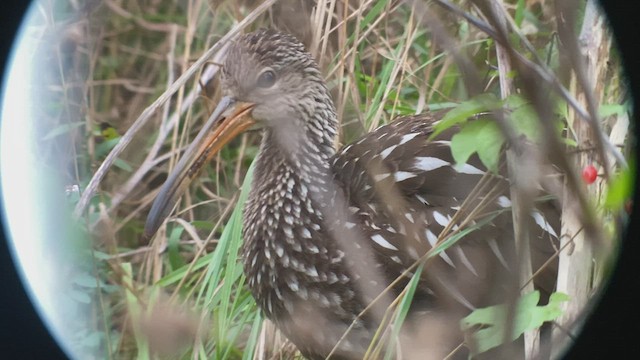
(182, 295)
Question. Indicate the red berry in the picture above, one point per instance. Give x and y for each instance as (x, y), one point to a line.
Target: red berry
(589, 174)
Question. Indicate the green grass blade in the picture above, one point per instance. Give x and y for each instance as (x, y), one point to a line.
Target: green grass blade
(135, 313)
(252, 342)
(403, 310)
(222, 285)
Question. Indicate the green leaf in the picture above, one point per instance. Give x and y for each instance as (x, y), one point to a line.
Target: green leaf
(101, 255)
(520, 9)
(123, 165)
(104, 147)
(523, 117)
(173, 249)
(202, 225)
(525, 121)
(607, 110)
(85, 280)
(561, 109)
(442, 105)
(492, 321)
(79, 296)
(465, 110)
(482, 136)
(463, 144)
(62, 129)
(620, 189)
(93, 339)
(515, 101)
(177, 275)
(373, 13)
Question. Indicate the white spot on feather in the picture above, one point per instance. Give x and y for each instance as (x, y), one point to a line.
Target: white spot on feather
(469, 169)
(427, 163)
(456, 294)
(465, 261)
(383, 242)
(408, 137)
(496, 251)
(332, 278)
(503, 201)
(388, 151)
(432, 239)
(409, 216)
(312, 271)
(440, 219)
(302, 293)
(542, 222)
(403, 175)
(285, 261)
(422, 199)
(446, 258)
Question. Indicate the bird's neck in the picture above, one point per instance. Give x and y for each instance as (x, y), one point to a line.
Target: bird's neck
(291, 180)
(304, 144)
(284, 212)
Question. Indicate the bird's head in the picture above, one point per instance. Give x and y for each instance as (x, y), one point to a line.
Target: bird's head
(268, 79)
(274, 73)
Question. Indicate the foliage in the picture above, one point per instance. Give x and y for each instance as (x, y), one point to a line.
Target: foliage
(620, 189)
(486, 328)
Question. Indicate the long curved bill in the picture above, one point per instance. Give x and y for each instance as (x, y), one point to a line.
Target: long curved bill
(229, 119)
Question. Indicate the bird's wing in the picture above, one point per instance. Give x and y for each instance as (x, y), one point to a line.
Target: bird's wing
(409, 196)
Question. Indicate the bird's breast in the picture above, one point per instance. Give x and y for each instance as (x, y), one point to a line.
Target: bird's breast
(289, 259)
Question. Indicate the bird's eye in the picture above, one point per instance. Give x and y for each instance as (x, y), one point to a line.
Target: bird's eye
(266, 79)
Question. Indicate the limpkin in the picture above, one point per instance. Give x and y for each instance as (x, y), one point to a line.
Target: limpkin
(325, 232)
